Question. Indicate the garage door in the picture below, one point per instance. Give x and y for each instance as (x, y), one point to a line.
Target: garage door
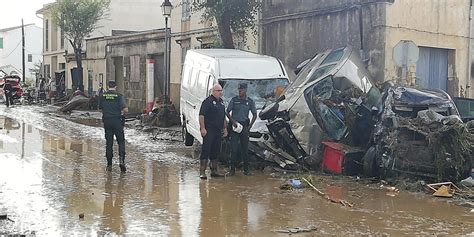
(432, 68)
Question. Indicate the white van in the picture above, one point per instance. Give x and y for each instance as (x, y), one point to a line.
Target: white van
(204, 68)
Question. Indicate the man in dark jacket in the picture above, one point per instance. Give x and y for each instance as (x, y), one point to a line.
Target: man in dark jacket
(212, 123)
(238, 114)
(113, 109)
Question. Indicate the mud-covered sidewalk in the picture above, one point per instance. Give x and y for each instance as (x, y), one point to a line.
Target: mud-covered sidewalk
(53, 182)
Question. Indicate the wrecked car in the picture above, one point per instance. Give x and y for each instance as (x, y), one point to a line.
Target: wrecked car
(334, 99)
(419, 132)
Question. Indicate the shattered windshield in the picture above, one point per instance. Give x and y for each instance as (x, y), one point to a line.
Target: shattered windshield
(328, 112)
(261, 91)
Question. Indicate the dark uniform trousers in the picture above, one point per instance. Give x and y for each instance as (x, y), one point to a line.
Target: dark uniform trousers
(240, 145)
(114, 127)
(211, 144)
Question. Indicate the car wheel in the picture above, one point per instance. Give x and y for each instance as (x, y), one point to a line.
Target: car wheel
(187, 137)
(370, 162)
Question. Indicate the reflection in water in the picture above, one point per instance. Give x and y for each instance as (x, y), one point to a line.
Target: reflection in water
(224, 212)
(61, 177)
(189, 203)
(112, 217)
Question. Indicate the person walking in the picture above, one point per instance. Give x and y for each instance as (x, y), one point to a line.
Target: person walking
(238, 114)
(113, 107)
(8, 91)
(212, 124)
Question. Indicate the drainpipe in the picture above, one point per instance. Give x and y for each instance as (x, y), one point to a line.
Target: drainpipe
(469, 63)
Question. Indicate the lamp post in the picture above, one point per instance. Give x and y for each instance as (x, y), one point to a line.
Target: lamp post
(166, 7)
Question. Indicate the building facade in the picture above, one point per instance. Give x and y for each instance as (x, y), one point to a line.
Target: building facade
(122, 16)
(11, 50)
(296, 30)
(123, 44)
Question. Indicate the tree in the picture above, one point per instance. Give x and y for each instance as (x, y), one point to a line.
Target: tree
(230, 15)
(77, 19)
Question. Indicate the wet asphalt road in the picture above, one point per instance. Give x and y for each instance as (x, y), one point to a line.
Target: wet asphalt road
(52, 171)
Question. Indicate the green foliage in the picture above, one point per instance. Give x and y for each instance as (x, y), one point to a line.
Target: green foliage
(78, 18)
(242, 13)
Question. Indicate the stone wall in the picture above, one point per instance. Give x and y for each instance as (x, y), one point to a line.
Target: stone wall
(295, 30)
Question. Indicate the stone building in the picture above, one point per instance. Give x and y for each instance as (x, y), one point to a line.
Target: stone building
(295, 30)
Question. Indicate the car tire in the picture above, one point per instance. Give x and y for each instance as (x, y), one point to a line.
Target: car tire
(370, 162)
(187, 137)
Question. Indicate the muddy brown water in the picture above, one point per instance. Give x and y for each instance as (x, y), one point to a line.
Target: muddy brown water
(52, 171)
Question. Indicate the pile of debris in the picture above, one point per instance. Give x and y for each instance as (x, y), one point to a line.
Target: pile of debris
(335, 111)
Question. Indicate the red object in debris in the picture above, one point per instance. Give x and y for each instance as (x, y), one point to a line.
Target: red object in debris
(339, 158)
(149, 107)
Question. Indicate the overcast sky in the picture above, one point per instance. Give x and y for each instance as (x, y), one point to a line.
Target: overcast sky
(13, 10)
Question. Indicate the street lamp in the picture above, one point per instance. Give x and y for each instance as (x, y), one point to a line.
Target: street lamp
(166, 7)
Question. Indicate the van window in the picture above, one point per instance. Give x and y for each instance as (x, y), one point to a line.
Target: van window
(261, 90)
(202, 82)
(210, 84)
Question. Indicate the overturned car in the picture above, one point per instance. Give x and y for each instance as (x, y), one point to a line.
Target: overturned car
(333, 99)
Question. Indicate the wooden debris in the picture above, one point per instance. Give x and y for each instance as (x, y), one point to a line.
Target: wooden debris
(334, 200)
(445, 189)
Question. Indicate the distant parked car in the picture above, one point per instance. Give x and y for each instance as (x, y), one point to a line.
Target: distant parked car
(15, 81)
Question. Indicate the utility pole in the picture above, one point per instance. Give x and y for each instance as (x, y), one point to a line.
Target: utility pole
(23, 48)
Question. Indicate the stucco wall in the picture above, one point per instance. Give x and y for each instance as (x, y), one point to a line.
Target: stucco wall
(295, 30)
(143, 46)
(431, 23)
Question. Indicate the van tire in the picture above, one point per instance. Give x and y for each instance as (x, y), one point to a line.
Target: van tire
(187, 137)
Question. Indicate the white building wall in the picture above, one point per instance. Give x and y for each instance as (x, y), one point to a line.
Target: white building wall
(12, 50)
(132, 15)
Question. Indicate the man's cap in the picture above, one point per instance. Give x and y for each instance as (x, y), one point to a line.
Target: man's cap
(112, 84)
(243, 86)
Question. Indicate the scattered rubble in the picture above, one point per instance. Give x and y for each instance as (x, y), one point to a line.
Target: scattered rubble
(295, 230)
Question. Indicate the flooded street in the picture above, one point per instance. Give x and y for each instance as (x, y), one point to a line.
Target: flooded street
(52, 171)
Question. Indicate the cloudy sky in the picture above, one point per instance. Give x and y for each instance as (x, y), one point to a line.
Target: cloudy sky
(13, 10)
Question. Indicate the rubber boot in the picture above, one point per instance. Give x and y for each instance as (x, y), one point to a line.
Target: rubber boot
(202, 169)
(247, 170)
(232, 169)
(123, 169)
(109, 164)
(215, 169)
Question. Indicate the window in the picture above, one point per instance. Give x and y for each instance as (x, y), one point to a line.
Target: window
(62, 39)
(47, 71)
(185, 10)
(334, 56)
(1, 43)
(46, 35)
(30, 58)
(62, 66)
(328, 114)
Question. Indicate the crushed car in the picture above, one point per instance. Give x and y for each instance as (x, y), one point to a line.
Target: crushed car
(419, 132)
(333, 99)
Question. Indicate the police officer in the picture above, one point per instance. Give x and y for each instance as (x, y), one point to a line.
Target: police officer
(8, 91)
(238, 114)
(212, 123)
(113, 109)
